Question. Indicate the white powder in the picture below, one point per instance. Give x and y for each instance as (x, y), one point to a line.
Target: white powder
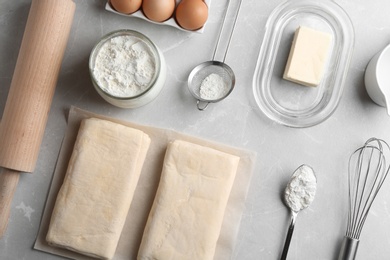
(213, 87)
(124, 66)
(301, 189)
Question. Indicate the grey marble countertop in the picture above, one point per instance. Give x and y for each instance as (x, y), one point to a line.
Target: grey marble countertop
(235, 121)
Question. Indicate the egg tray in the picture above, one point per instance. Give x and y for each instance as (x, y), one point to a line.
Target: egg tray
(170, 22)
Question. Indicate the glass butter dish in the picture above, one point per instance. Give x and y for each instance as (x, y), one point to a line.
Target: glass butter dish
(289, 103)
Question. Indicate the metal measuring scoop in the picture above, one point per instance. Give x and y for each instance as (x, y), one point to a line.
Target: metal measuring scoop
(298, 195)
(203, 70)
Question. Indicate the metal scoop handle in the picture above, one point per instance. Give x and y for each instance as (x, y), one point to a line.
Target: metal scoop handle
(231, 33)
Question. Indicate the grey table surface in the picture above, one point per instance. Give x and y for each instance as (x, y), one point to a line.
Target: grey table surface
(235, 121)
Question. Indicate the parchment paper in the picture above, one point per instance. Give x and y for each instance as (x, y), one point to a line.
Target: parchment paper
(147, 186)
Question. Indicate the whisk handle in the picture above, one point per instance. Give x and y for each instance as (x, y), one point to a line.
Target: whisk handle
(348, 248)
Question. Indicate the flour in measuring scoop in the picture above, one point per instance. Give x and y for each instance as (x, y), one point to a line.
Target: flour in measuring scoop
(124, 66)
(213, 87)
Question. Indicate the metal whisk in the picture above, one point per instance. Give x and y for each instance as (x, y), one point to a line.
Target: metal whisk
(367, 171)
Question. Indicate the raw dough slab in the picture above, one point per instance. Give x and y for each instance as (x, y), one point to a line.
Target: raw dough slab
(101, 178)
(187, 213)
(147, 185)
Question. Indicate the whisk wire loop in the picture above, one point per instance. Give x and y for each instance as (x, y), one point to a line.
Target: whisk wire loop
(365, 197)
(382, 173)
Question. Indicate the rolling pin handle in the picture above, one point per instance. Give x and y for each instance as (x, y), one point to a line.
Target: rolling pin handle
(8, 182)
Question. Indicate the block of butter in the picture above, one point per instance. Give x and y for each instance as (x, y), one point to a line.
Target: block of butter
(95, 197)
(188, 210)
(308, 56)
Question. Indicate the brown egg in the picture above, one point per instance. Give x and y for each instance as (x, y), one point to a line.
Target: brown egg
(191, 14)
(158, 10)
(126, 6)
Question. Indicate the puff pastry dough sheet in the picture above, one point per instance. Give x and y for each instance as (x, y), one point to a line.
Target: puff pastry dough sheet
(188, 210)
(130, 240)
(95, 197)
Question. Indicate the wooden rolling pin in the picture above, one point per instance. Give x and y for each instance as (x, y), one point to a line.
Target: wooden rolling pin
(30, 96)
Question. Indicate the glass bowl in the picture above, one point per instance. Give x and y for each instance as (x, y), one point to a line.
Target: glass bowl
(289, 103)
(110, 80)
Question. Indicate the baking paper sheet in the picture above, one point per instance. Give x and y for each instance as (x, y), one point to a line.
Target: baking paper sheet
(147, 186)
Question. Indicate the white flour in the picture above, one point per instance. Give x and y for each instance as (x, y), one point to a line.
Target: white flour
(213, 87)
(301, 189)
(124, 66)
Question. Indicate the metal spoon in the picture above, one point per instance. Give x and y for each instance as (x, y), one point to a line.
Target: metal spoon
(298, 195)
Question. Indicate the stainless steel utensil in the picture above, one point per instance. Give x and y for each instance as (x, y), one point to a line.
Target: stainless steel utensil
(299, 194)
(200, 72)
(367, 170)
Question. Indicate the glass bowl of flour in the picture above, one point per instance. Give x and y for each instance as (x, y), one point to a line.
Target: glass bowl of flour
(127, 69)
